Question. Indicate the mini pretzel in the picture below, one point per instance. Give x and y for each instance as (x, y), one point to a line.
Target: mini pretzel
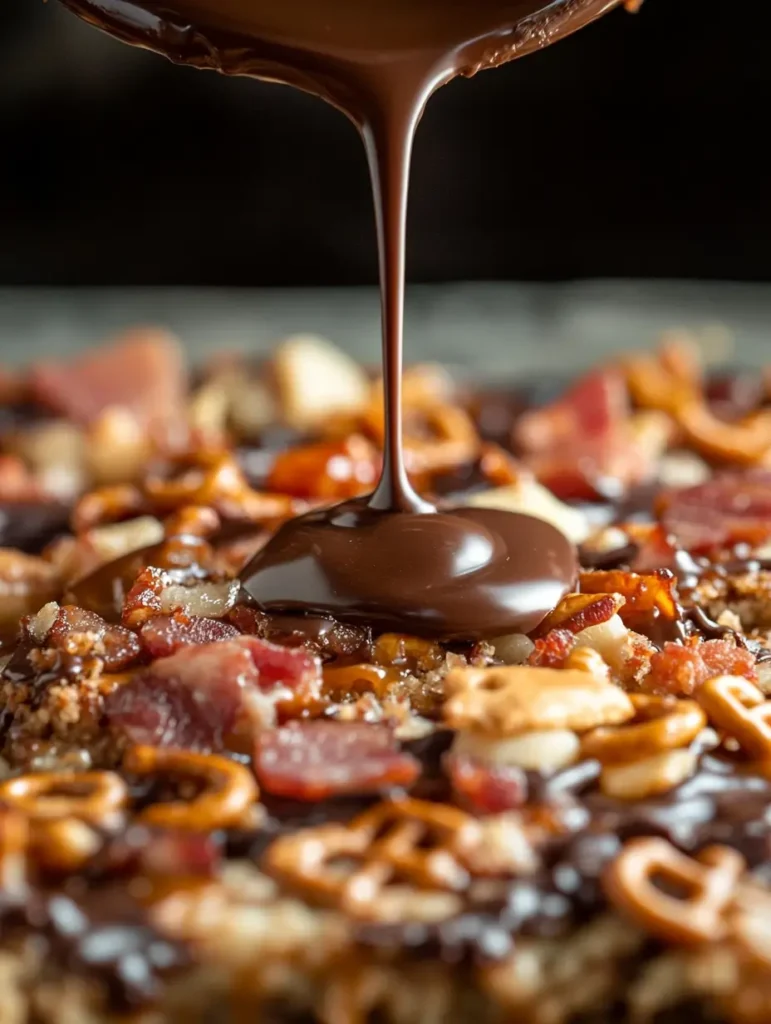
(739, 708)
(660, 723)
(454, 443)
(107, 505)
(229, 789)
(508, 700)
(47, 796)
(709, 883)
(396, 842)
(216, 479)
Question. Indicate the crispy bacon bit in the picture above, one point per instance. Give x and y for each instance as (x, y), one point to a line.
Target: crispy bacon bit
(331, 470)
(682, 669)
(552, 650)
(321, 759)
(104, 590)
(142, 371)
(117, 647)
(163, 635)
(579, 611)
(144, 598)
(489, 789)
(194, 698)
(649, 594)
(592, 407)
(730, 509)
(585, 439)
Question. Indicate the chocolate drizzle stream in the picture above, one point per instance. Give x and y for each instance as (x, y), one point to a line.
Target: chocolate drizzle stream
(392, 561)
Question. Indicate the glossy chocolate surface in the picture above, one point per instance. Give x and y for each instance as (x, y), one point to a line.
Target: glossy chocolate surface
(394, 562)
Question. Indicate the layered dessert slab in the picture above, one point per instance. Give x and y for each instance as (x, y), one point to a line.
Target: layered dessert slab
(213, 813)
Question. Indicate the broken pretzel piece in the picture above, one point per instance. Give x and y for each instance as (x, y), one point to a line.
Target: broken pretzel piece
(512, 699)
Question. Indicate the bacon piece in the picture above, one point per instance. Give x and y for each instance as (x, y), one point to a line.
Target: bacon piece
(592, 407)
(489, 789)
(143, 370)
(321, 759)
(331, 470)
(195, 698)
(585, 438)
(682, 669)
(729, 509)
(163, 635)
(576, 612)
(646, 594)
(116, 646)
(552, 650)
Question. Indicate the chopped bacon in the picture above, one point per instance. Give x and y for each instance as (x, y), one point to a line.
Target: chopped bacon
(682, 669)
(552, 650)
(488, 789)
(592, 407)
(321, 759)
(585, 439)
(117, 647)
(143, 371)
(729, 509)
(163, 635)
(331, 470)
(577, 612)
(195, 698)
(646, 594)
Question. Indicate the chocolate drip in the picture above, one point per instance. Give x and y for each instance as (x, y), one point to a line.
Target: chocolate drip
(392, 561)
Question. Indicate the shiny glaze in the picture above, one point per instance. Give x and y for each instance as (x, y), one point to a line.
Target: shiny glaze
(392, 561)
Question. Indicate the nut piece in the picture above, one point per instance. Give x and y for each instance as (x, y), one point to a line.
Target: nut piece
(648, 777)
(537, 750)
(509, 700)
(316, 380)
(533, 499)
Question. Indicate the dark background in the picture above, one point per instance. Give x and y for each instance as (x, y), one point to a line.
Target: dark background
(636, 148)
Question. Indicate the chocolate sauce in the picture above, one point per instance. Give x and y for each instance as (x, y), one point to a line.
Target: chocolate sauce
(392, 561)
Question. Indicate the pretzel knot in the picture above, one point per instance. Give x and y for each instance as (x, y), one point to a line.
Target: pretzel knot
(739, 708)
(60, 811)
(690, 903)
(94, 797)
(372, 867)
(659, 724)
(228, 792)
(214, 479)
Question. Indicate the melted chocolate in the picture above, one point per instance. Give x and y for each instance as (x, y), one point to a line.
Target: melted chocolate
(393, 561)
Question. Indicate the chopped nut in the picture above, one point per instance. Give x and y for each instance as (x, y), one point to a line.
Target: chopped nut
(118, 539)
(513, 649)
(533, 499)
(537, 750)
(315, 381)
(511, 700)
(610, 639)
(652, 776)
(117, 447)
